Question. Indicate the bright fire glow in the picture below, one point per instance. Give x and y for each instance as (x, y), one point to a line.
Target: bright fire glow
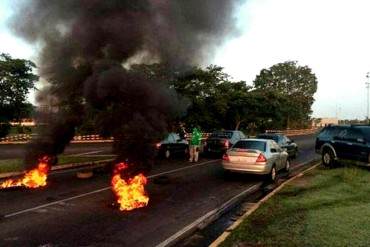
(32, 179)
(130, 192)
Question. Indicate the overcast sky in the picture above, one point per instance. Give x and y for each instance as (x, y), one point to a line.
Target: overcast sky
(332, 37)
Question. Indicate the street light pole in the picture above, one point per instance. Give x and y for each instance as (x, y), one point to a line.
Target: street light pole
(367, 83)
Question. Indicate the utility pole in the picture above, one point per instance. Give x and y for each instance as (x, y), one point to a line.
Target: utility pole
(367, 83)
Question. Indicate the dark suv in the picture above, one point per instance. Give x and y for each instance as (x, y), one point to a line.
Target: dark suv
(344, 143)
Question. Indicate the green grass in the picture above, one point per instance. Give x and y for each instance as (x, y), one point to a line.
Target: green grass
(13, 165)
(323, 208)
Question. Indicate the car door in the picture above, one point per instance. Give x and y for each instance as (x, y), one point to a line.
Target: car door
(356, 147)
(171, 144)
(276, 154)
(341, 145)
(178, 144)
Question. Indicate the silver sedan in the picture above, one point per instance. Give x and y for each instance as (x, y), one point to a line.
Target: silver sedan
(256, 156)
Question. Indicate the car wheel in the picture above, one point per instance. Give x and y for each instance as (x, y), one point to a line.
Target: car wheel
(327, 158)
(295, 153)
(287, 165)
(167, 154)
(272, 175)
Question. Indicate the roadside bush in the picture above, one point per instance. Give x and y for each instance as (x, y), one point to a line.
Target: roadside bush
(4, 129)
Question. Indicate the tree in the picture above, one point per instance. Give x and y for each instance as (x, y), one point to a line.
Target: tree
(212, 94)
(296, 84)
(16, 80)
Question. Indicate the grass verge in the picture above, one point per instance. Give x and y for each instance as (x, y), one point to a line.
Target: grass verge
(14, 165)
(325, 207)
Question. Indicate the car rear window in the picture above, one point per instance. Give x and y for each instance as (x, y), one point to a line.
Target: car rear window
(257, 145)
(222, 134)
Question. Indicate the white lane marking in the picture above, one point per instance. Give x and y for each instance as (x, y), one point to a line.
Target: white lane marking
(172, 239)
(87, 153)
(199, 221)
(183, 168)
(101, 190)
(54, 203)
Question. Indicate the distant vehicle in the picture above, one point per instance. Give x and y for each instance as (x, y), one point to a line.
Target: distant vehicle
(283, 141)
(172, 145)
(256, 156)
(350, 144)
(219, 141)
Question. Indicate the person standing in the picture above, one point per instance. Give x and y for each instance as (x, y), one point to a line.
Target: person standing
(195, 140)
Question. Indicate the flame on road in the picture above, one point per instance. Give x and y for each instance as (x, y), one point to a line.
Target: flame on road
(130, 192)
(32, 179)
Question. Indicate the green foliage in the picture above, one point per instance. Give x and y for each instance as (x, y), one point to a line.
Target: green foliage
(16, 80)
(325, 207)
(281, 94)
(296, 84)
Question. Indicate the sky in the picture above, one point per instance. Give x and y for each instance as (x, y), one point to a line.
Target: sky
(331, 37)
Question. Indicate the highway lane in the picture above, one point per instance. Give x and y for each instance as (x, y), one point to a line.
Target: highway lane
(92, 220)
(13, 151)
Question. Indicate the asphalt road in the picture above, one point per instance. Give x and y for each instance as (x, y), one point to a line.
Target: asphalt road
(74, 212)
(12, 151)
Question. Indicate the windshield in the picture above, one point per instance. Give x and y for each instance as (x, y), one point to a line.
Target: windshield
(222, 134)
(256, 145)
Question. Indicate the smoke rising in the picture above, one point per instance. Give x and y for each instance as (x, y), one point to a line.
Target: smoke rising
(87, 49)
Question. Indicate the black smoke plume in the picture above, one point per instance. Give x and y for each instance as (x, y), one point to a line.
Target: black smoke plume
(86, 49)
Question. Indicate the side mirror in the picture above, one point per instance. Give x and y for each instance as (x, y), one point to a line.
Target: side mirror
(273, 150)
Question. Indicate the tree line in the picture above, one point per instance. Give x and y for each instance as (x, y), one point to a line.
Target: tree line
(280, 97)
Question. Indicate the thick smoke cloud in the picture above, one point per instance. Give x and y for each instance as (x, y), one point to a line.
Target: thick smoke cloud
(85, 44)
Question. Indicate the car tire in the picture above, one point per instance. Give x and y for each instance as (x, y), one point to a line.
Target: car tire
(167, 154)
(287, 166)
(295, 153)
(272, 175)
(327, 158)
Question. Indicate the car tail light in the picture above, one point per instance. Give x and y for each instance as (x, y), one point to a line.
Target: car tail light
(227, 144)
(158, 145)
(225, 157)
(261, 158)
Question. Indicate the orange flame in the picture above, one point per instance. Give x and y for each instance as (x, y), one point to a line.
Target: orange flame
(131, 192)
(32, 179)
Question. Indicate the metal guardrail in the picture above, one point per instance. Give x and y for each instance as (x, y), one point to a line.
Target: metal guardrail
(92, 138)
(27, 137)
(295, 132)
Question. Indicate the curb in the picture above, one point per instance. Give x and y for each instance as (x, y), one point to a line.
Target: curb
(205, 220)
(208, 218)
(90, 164)
(228, 231)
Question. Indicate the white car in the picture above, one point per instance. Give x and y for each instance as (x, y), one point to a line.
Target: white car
(256, 156)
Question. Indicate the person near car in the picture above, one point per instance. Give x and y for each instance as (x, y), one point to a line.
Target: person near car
(195, 140)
